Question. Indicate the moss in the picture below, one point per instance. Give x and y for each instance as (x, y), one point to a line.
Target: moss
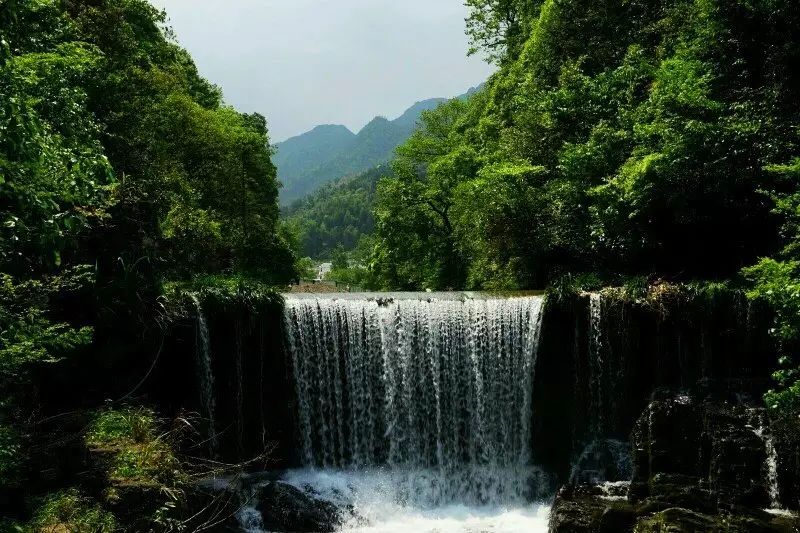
(139, 454)
(569, 286)
(677, 520)
(222, 287)
(70, 511)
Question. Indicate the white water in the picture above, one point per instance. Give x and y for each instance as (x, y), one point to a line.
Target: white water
(205, 372)
(384, 501)
(416, 411)
(771, 467)
(596, 411)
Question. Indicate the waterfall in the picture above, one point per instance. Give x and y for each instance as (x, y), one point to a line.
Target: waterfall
(436, 388)
(770, 465)
(204, 371)
(596, 409)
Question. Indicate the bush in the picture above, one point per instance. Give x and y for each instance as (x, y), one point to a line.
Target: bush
(70, 511)
(139, 453)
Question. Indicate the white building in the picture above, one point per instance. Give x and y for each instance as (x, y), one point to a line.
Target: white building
(323, 270)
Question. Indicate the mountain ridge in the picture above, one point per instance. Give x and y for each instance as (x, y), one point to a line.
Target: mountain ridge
(329, 152)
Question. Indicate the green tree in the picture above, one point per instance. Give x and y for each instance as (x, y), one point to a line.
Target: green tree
(416, 239)
(498, 27)
(620, 138)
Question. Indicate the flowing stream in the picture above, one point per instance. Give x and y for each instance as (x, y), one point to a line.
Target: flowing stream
(414, 411)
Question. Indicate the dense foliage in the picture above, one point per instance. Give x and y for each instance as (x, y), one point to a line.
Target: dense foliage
(777, 280)
(637, 138)
(120, 168)
(621, 137)
(338, 214)
(634, 138)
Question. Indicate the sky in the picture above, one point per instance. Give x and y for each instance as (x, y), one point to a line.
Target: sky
(302, 63)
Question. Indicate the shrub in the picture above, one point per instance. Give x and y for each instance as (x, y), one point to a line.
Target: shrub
(71, 511)
(140, 453)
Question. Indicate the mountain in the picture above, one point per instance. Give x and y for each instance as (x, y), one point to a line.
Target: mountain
(326, 153)
(302, 154)
(337, 214)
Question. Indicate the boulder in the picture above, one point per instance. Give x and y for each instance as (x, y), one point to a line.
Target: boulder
(590, 509)
(665, 440)
(702, 456)
(286, 508)
(697, 467)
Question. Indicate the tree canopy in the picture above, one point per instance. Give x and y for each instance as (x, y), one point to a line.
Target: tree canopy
(618, 137)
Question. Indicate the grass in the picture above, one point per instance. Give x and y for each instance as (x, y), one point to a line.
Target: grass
(139, 454)
(70, 512)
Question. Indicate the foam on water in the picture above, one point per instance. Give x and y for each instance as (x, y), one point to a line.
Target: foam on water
(389, 501)
(414, 411)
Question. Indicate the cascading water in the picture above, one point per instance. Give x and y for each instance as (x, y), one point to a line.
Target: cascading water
(418, 402)
(770, 463)
(596, 414)
(205, 372)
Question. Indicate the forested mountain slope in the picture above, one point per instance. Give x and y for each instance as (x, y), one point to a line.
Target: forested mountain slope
(304, 153)
(327, 153)
(336, 215)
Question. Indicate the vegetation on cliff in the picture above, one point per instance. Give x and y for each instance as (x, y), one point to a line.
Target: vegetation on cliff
(617, 138)
(632, 140)
(120, 168)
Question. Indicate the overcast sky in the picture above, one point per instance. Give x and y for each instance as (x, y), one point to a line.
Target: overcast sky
(307, 62)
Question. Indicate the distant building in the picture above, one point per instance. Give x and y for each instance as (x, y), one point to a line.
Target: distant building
(323, 270)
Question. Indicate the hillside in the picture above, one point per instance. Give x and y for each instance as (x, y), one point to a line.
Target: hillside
(302, 154)
(327, 153)
(337, 214)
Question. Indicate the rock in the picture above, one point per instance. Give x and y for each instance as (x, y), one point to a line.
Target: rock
(677, 520)
(135, 504)
(786, 437)
(697, 467)
(617, 518)
(589, 509)
(736, 473)
(288, 509)
(665, 440)
(704, 456)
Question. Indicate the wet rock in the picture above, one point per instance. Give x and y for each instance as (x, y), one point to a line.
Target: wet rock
(677, 520)
(702, 456)
(665, 440)
(697, 467)
(590, 509)
(617, 518)
(736, 473)
(786, 435)
(288, 509)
